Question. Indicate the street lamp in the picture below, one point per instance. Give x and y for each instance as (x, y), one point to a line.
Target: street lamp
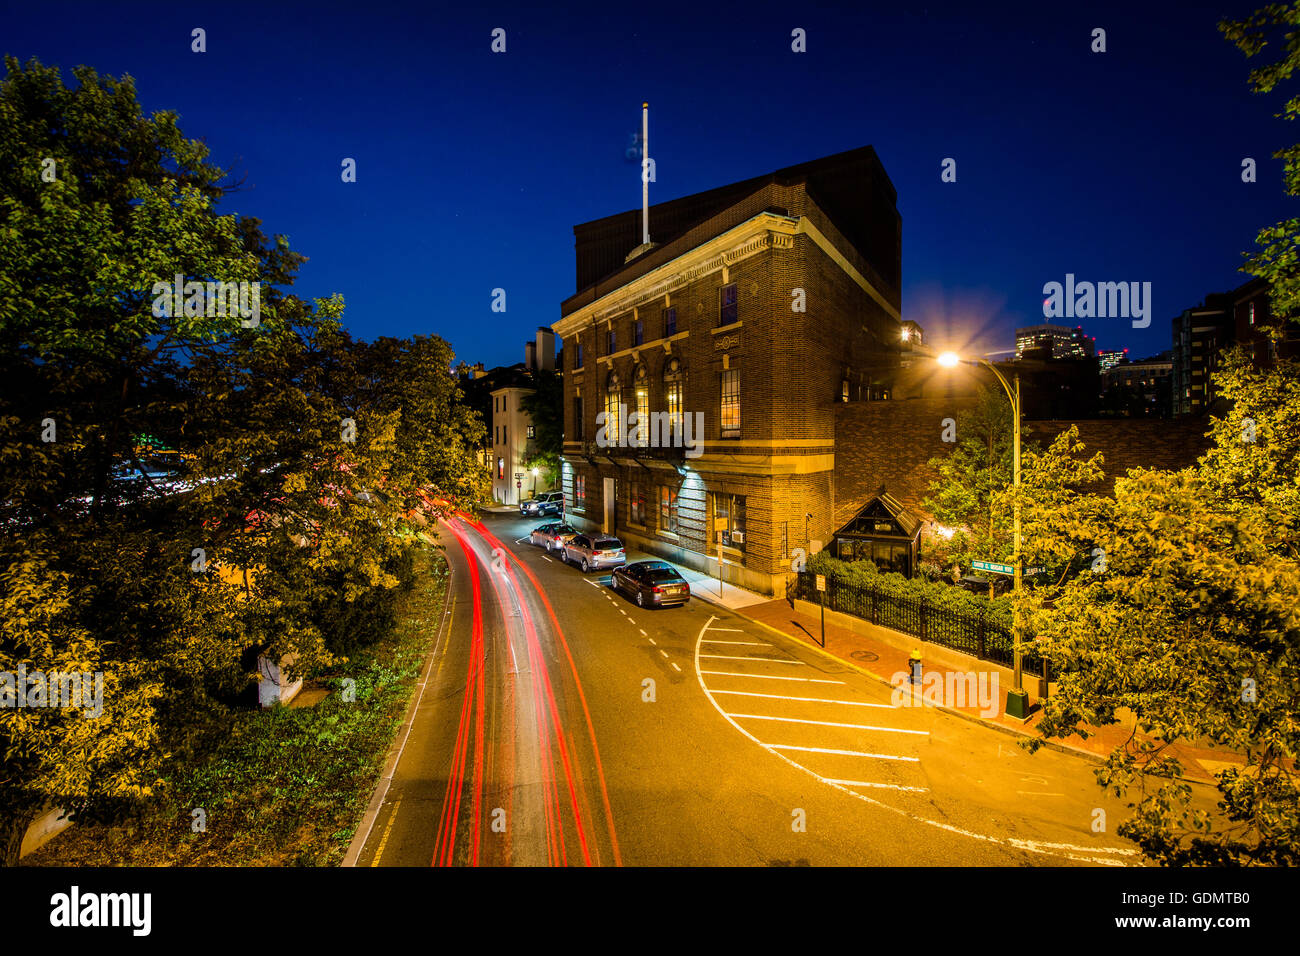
(534, 481)
(1017, 699)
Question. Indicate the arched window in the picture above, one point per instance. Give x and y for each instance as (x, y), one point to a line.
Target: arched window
(673, 376)
(612, 394)
(641, 386)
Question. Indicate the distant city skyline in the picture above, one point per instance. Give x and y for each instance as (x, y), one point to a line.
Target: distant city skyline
(472, 167)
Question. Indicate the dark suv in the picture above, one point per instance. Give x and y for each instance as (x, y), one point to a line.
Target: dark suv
(550, 503)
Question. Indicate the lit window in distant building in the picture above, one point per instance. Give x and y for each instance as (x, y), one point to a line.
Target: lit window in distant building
(1252, 313)
(667, 509)
(580, 492)
(531, 431)
(501, 467)
(729, 414)
(844, 390)
(728, 309)
(670, 321)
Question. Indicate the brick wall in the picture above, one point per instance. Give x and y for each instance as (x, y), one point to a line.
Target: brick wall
(891, 443)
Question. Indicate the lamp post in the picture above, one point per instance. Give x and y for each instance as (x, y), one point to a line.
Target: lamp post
(534, 481)
(1017, 698)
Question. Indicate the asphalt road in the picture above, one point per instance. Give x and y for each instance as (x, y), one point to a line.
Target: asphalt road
(559, 724)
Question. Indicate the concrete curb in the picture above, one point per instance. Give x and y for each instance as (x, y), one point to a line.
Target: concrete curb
(367, 823)
(1056, 745)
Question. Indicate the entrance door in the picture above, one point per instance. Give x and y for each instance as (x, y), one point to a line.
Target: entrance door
(611, 506)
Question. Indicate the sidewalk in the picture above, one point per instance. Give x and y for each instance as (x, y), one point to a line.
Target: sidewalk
(882, 658)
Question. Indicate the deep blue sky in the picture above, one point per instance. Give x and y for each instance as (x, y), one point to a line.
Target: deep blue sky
(474, 167)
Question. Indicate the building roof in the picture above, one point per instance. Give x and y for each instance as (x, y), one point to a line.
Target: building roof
(841, 184)
(881, 505)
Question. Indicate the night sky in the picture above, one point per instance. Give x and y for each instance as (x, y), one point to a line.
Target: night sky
(473, 167)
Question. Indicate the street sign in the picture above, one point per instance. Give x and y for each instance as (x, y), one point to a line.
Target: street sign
(1035, 570)
(519, 474)
(821, 582)
(518, 484)
(992, 567)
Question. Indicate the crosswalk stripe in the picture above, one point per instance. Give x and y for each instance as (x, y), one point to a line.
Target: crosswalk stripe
(828, 723)
(806, 680)
(811, 700)
(844, 753)
(765, 660)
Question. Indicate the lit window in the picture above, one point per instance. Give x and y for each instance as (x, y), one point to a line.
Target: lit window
(501, 467)
(641, 386)
(611, 410)
(730, 406)
(667, 509)
(637, 512)
(531, 431)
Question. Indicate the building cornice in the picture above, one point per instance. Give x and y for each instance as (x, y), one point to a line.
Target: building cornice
(749, 238)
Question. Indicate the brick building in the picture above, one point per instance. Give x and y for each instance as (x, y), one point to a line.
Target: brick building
(756, 309)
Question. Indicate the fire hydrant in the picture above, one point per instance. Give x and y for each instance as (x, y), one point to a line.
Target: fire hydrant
(915, 662)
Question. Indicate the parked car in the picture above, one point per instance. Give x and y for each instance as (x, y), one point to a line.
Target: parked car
(550, 503)
(652, 583)
(553, 535)
(596, 551)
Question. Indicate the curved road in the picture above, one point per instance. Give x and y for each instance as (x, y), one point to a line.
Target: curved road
(559, 724)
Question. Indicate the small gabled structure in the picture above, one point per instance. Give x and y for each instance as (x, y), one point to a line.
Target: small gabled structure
(882, 531)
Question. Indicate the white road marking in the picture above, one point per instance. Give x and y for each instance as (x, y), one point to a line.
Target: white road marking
(664, 653)
(811, 700)
(676, 668)
(744, 643)
(733, 630)
(829, 723)
(806, 680)
(844, 753)
(545, 558)
(766, 660)
(652, 640)
(881, 786)
(1035, 793)
(1084, 854)
(643, 633)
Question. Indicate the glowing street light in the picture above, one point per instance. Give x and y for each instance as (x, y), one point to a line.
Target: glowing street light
(1017, 699)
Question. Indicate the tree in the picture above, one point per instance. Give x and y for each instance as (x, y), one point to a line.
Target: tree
(1186, 625)
(303, 453)
(970, 475)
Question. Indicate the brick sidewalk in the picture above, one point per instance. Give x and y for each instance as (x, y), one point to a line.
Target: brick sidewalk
(882, 659)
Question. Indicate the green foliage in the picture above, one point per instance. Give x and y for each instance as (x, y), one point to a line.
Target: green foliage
(1192, 631)
(976, 469)
(297, 517)
(545, 406)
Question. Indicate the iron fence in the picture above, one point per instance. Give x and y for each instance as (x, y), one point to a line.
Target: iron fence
(970, 633)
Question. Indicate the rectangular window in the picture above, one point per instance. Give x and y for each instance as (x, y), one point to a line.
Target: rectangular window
(579, 356)
(580, 492)
(505, 439)
(611, 417)
(501, 467)
(637, 513)
(728, 520)
(578, 424)
(728, 310)
(611, 342)
(670, 321)
(531, 431)
(638, 332)
(667, 509)
(729, 413)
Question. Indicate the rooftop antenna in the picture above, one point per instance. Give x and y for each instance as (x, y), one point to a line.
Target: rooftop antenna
(645, 179)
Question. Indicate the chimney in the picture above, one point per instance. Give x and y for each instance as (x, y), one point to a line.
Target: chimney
(545, 349)
(530, 356)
